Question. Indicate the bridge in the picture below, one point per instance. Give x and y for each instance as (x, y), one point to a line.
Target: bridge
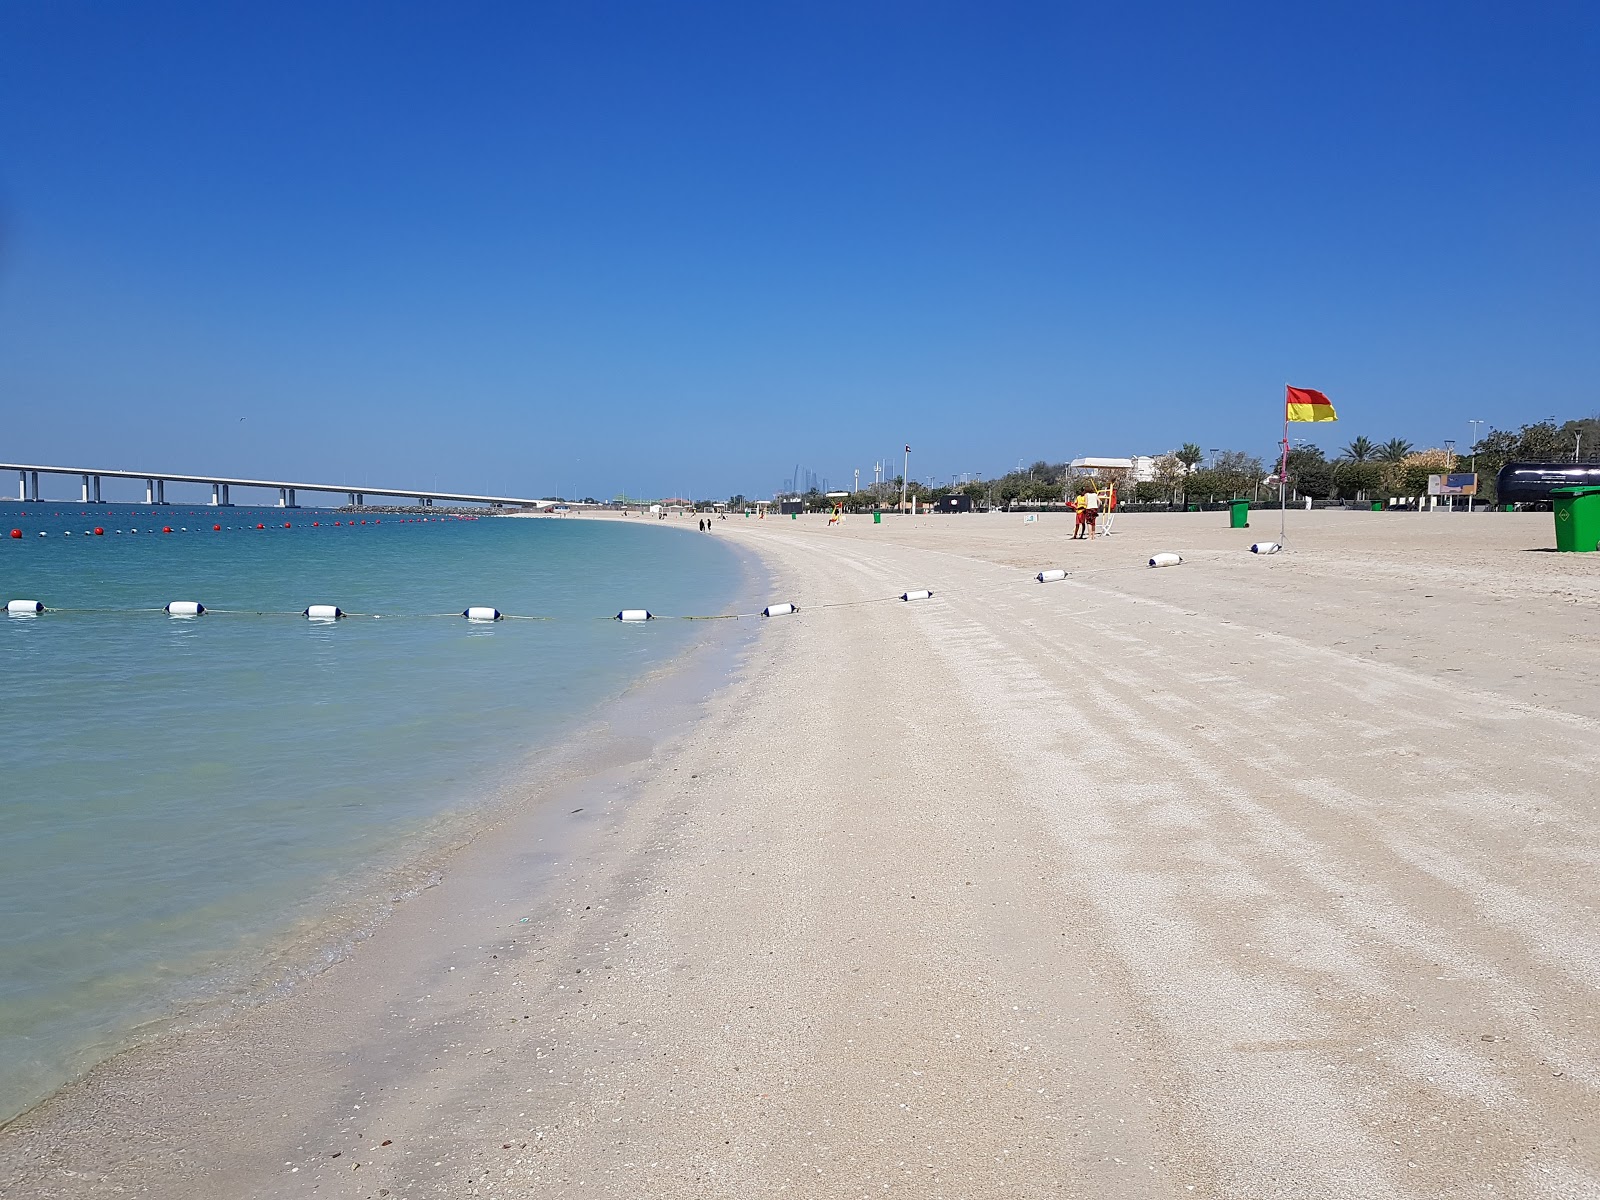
(155, 488)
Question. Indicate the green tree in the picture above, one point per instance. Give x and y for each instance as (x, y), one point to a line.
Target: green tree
(1189, 454)
(1393, 450)
(1310, 473)
(1358, 451)
(1237, 473)
(1355, 479)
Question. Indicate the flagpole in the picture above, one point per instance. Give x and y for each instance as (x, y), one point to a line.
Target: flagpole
(1283, 473)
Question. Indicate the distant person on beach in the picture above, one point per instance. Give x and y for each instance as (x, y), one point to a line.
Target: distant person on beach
(1091, 510)
(1077, 508)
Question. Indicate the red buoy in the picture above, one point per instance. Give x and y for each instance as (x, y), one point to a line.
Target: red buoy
(98, 532)
(286, 525)
(16, 533)
(166, 529)
(259, 525)
(216, 529)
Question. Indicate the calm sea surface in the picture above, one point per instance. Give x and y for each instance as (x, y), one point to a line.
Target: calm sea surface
(177, 795)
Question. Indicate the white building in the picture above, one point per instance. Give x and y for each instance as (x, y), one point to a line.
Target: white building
(1141, 468)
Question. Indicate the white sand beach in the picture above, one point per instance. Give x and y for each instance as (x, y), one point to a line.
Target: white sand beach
(1252, 877)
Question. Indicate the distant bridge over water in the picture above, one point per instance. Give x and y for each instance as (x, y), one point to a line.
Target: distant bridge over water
(155, 488)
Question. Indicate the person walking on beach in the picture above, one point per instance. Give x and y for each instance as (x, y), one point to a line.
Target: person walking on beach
(1091, 510)
(1077, 508)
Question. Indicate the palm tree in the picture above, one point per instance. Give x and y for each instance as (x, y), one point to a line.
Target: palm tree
(1359, 450)
(1393, 450)
(1189, 454)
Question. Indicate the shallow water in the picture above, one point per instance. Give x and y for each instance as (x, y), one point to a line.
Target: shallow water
(175, 794)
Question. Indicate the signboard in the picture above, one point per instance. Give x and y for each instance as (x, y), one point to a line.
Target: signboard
(1462, 484)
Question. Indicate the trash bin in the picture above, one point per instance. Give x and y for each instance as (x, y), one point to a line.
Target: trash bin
(1577, 517)
(1238, 514)
(877, 517)
(1377, 506)
(1194, 508)
(794, 516)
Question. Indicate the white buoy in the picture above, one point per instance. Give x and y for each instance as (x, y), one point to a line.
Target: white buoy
(186, 608)
(1051, 575)
(482, 614)
(1165, 560)
(1264, 547)
(323, 612)
(916, 595)
(778, 610)
(22, 607)
(636, 614)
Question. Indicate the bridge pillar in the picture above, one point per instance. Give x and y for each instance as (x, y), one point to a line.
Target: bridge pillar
(283, 497)
(22, 485)
(149, 491)
(97, 499)
(361, 500)
(216, 494)
(33, 485)
(226, 501)
(292, 504)
(161, 491)
(351, 499)
(85, 489)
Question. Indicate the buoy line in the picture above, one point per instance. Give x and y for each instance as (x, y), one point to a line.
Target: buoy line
(487, 614)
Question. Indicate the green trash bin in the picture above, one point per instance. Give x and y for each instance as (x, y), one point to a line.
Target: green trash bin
(1238, 514)
(1377, 506)
(1577, 518)
(794, 516)
(1194, 508)
(877, 518)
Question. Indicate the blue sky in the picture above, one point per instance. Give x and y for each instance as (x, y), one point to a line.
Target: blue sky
(679, 246)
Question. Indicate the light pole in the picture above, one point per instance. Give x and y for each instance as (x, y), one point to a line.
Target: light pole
(905, 478)
(1474, 424)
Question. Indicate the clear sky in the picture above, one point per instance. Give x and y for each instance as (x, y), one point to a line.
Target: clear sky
(683, 246)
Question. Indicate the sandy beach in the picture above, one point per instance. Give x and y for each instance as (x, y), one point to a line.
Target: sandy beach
(1251, 877)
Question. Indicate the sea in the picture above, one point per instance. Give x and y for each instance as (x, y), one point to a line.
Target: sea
(183, 797)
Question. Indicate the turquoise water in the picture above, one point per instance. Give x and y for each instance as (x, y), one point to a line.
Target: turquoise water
(178, 793)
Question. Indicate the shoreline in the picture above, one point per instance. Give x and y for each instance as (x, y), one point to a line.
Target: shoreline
(1212, 881)
(271, 964)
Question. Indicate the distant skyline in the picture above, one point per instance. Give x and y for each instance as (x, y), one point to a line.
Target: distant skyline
(673, 248)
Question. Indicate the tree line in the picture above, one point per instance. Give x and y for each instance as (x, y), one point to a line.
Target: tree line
(1362, 469)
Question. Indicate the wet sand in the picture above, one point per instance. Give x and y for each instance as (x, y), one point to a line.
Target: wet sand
(1256, 876)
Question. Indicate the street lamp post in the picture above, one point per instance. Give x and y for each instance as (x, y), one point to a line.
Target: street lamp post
(905, 478)
(1474, 424)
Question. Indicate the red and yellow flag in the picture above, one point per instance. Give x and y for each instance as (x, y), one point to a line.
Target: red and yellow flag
(1307, 405)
